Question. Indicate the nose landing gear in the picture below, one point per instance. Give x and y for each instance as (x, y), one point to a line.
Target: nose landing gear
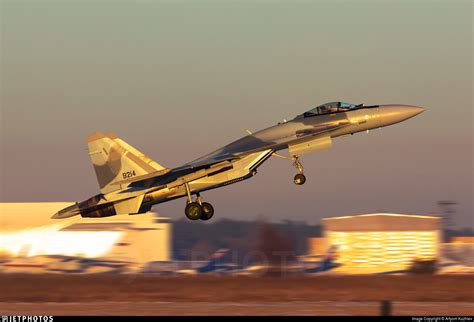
(299, 178)
(197, 209)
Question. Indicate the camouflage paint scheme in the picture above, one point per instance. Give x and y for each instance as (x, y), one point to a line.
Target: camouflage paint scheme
(131, 183)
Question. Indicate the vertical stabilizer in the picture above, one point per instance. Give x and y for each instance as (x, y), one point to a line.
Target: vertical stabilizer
(114, 160)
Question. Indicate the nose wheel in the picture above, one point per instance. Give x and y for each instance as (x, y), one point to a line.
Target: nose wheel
(299, 178)
(197, 209)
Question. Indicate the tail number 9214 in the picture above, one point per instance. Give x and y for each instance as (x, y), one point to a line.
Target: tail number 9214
(128, 174)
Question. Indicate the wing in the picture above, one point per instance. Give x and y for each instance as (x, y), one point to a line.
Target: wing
(219, 160)
(189, 172)
(185, 174)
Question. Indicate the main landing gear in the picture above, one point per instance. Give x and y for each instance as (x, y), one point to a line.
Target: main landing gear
(299, 178)
(194, 210)
(197, 209)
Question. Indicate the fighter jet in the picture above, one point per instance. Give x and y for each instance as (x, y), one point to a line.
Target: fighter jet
(217, 264)
(131, 183)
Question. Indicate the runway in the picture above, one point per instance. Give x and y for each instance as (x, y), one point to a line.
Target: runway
(226, 295)
(232, 308)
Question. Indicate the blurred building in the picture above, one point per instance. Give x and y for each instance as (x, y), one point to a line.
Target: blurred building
(316, 248)
(463, 240)
(460, 249)
(382, 242)
(141, 238)
(17, 216)
(26, 229)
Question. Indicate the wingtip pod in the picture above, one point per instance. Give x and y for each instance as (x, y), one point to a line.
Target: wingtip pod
(99, 135)
(111, 135)
(95, 136)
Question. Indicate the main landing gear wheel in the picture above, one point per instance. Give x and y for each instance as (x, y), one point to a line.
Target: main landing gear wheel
(193, 211)
(299, 179)
(207, 211)
(197, 209)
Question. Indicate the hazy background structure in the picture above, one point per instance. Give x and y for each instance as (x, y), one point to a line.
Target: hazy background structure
(178, 80)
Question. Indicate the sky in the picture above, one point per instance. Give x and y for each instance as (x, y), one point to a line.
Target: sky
(178, 79)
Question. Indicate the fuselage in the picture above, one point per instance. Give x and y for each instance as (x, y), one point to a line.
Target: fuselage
(240, 159)
(259, 146)
(333, 124)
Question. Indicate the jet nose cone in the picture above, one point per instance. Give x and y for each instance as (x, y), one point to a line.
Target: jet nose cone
(391, 114)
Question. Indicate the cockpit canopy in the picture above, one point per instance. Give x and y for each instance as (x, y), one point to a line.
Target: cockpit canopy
(330, 107)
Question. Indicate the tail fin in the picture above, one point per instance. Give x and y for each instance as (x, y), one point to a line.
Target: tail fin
(328, 262)
(214, 260)
(114, 160)
(330, 258)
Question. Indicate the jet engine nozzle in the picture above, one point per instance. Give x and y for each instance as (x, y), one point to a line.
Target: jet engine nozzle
(67, 212)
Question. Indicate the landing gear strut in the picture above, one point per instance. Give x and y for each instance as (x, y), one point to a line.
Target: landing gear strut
(197, 209)
(299, 178)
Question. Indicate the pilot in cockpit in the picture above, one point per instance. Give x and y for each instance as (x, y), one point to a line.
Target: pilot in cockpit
(329, 107)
